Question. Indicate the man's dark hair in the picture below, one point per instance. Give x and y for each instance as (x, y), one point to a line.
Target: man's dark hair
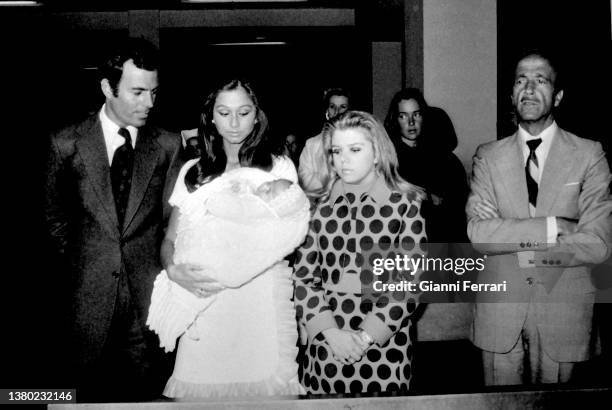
(143, 54)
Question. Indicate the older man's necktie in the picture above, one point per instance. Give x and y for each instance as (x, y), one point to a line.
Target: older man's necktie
(532, 171)
(121, 174)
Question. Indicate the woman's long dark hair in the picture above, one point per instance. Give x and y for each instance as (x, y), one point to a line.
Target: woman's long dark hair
(391, 124)
(257, 149)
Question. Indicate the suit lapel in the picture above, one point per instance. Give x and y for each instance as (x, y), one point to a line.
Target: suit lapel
(92, 150)
(512, 172)
(559, 164)
(145, 160)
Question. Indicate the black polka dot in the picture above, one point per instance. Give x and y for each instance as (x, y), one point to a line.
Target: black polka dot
(408, 243)
(376, 226)
(367, 211)
(410, 352)
(348, 306)
(365, 371)
(330, 370)
(339, 321)
(346, 227)
(323, 242)
(307, 380)
(383, 372)
(313, 302)
(402, 209)
(348, 371)
(332, 302)
(384, 242)
(417, 227)
(317, 368)
(325, 385)
(299, 311)
(335, 276)
(311, 258)
(331, 226)
(382, 302)
(356, 386)
(339, 386)
(359, 226)
(396, 312)
(344, 260)
(399, 296)
(395, 197)
(308, 242)
(324, 275)
(350, 197)
(338, 243)
(401, 339)
(300, 292)
(380, 316)
(366, 243)
(342, 211)
(355, 322)
(359, 260)
(366, 277)
(305, 361)
(365, 306)
(330, 259)
(373, 256)
(374, 387)
(407, 371)
(326, 211)
(386, 211)
(298, 258)
(394, 355)
(394, 226)
(350, 245)
(413, 211)
(309, 316)
(392, 387)
(373, 355)
(316, 226)
(314, 383)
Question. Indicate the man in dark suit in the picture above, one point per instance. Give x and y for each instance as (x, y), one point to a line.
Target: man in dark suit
(540, 207)
(108, 181)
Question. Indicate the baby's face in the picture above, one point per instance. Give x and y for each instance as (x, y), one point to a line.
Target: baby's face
(271, 189)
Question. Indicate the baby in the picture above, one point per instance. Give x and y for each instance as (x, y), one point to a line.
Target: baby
(235, 227)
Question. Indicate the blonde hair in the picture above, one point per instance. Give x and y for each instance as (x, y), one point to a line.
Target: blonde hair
(384, 152)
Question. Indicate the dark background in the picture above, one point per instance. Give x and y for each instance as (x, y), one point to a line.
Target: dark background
(45, 85)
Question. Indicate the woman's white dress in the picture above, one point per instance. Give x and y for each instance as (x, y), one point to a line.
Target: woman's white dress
(244, 344)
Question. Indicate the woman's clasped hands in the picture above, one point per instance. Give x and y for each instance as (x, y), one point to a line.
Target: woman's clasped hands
(347, 346)
(194, 278)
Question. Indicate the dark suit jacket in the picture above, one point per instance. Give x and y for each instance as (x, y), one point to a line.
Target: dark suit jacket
(574, 184)
(81, 217)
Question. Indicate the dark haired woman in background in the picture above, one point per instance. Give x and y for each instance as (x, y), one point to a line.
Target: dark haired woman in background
(424, 139)
(245, 343)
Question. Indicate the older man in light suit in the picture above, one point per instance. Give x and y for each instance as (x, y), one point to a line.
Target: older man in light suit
(540, 209)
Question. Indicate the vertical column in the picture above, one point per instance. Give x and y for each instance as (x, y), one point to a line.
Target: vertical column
(145, 24)
(386, 74)
(413, 43)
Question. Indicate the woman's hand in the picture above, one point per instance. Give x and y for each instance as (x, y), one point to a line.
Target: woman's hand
(193, 278)
(346, 346)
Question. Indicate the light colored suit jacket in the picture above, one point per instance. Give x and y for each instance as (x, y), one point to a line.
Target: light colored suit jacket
(574, 184)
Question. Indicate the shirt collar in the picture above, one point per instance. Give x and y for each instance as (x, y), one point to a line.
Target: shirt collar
(111, 129)
(379, 192)
(546, 135)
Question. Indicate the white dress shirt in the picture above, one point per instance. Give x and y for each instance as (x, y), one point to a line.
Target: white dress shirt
(112, 139)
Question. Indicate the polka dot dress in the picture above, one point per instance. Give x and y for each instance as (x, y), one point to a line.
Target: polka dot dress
(334, 288)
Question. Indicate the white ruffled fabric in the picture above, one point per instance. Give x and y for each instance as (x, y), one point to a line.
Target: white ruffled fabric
(255, 317)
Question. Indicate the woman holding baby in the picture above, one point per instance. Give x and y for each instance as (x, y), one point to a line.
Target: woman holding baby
(243, 343)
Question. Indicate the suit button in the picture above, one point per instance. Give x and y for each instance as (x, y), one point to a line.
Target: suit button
(115, 274)
(522, 244)
(529, 281)
(529, 244)
(558, 262)
(545, 262)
